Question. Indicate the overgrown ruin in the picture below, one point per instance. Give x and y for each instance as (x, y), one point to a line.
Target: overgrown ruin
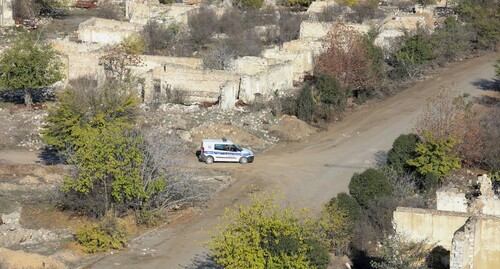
(468, 228)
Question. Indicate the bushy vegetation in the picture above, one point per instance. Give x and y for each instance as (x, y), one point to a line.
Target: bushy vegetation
(334, 228)
(369, 186)
(30, 63)
(403, 149)
(401, 253)
(266, 235)
(108, 234)
(435, 156)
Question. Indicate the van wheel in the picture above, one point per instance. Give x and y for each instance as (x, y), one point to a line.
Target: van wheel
(243, 160)
(209, 159)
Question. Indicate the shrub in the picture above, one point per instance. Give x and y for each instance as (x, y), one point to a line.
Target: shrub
(403, 149)
(349, 3)
(305, 104)
(108, 234)
(482, 16)
(369, 186)
(490, 132)
(157, 37)
(231, 22)
(400, 253)
(331, 13)
(331, 93)
(365, 10)
(435, 156)
(317, 254)
(334, 228)
(348, 60)
(262, 235)
(413, 56)
(304, 3)
(449, 115)
(349, 204)
(451, 41)
(107, 9)
(246, 43)
(289, 26)
(220, 57)
(202, 25)
(249, 3)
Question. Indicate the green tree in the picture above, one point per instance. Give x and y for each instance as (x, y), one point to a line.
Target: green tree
(369, 186)
(334, 228)
(29, 64)
(331, 93)
(108, 158)
(264, 235)
(305, 104)
(435, 156)
(119, 58)
(349, 204)
(412, 57)
(81, 105)
(403, 149)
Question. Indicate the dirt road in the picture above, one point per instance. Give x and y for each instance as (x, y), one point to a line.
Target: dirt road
(308, 173)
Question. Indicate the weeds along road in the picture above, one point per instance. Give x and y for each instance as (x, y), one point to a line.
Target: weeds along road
(307, 173)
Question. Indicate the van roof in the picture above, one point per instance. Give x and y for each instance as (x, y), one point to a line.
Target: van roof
(223, 140)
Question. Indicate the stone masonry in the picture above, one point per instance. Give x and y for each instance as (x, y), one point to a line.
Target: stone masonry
(468, 228)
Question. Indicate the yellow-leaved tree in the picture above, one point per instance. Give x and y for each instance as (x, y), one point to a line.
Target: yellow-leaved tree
(267, 235)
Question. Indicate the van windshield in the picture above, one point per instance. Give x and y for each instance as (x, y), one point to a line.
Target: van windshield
(237, 147)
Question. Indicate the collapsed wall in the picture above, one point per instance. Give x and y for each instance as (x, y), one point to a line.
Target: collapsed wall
(103, 31)
(468, 228)
(428, 224)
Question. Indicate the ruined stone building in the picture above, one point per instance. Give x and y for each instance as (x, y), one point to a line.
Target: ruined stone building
(468, 228)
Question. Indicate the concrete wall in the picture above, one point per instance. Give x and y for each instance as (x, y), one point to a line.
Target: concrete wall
(201, 85)
(276, 78)
(80, 59)
(487, 243)
(451, 199)
(96, 30)
(141, 12)
(437, 227)
(313, 30)
(477, 244)
(299, 53)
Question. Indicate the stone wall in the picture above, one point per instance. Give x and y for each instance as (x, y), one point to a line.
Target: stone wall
(435, 226)
(278, 78)
(80, 59)
(451, 199)
(96, 30)
(201, 85)
(6, 15)
(476, 244)
(299, 53)
(141, 12)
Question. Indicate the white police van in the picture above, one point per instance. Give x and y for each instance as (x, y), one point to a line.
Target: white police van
(223, 150)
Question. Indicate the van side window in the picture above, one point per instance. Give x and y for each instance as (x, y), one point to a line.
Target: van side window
(220, 147)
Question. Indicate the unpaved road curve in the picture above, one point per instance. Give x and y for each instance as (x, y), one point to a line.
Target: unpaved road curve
(308, 173)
